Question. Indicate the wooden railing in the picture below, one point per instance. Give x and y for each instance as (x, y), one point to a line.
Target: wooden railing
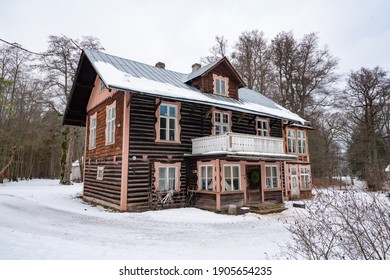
(236, 142)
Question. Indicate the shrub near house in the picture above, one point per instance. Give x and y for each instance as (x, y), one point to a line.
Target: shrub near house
(202, 137)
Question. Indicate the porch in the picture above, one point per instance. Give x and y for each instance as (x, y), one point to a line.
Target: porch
(238, 143)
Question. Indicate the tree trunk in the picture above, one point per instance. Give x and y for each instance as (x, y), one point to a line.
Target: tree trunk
(11, 159)
(68, 142)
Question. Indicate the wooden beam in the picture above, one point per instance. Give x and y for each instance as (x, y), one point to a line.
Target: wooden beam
(159, 101)
(251, 120)
(241, 117)
(208, 113)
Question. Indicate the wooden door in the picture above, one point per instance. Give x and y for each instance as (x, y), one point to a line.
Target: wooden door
(253, 183)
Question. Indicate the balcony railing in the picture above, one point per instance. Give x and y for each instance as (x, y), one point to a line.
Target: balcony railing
(236, 142)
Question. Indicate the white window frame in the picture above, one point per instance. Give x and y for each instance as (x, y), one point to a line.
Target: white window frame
(92, 131)
(232, 178)
(110, 124)
(100, 173)
(272, 179)
(304, 175)
(291, 141)
(221, 127)
(206, 180)
(260, 130)
(301, 136)
(168, 118)
(220, 86)
(167, 179)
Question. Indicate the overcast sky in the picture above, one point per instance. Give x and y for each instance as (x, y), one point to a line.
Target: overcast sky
(180, 32)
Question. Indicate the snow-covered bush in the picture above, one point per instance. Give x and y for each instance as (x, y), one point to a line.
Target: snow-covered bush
(346, 224)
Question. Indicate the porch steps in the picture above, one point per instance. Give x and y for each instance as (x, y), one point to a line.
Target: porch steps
(266, 207)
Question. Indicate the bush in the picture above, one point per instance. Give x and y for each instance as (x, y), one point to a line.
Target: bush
(345, 224)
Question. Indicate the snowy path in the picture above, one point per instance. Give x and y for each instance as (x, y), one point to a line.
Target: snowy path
(41, 220)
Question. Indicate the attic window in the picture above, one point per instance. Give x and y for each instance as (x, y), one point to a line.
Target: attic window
(102, 86)
(220, 85)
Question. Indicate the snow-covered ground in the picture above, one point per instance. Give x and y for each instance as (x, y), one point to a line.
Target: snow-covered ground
(39, 219)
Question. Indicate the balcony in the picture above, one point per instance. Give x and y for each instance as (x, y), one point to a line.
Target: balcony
(239, 143)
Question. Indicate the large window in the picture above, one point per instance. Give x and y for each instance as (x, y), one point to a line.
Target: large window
(271, 177)
(206, 181)
(301, 142)
(231, 174)
(221, 123)
(296, 141)
(262, 127)
(305, 177)
(168, 120)
(291, 141)
(110, 124)
(167, 178)
(92, 132)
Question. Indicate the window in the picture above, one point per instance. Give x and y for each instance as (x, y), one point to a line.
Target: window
(271, 177)
(102, 86)
(167, 178)
(168, 128)
(92, 132)
(221, 123)
(301, 142)
(291, 141)
(110, 125)
(231, 174)
(262, 127)
(206, 182)
(220, 85)
(100, 173)
(305, 177)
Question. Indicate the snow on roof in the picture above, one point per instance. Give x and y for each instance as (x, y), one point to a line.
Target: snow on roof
(123, 74)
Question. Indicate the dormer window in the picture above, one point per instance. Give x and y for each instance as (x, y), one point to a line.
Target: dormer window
(220, 85)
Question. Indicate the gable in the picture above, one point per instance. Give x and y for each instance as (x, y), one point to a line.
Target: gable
(204, 78)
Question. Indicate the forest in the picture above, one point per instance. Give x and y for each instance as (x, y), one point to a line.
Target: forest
(350, 114)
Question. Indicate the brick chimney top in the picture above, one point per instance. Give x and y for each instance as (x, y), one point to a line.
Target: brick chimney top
(160, 65)
(195, 66)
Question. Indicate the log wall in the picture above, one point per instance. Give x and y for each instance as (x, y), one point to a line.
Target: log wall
(108, 190)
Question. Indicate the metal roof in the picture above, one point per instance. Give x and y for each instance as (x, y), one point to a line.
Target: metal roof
(138, 69)
(168, 84)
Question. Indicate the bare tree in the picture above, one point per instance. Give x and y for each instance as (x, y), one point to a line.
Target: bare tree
(305, 73)
(366, 98)
(345, 224)
(217, 51)
(251, 58)
(326, 138)
(59, 65)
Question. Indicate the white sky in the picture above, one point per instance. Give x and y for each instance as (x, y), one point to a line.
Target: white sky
(180, 32)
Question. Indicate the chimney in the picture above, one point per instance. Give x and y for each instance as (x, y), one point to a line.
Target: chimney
(195, 66)
(160, 65)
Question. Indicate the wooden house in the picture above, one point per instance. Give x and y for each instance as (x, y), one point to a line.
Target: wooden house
(200, 139)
